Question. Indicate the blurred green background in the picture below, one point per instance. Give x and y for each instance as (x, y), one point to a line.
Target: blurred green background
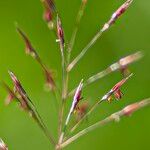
(130, 34)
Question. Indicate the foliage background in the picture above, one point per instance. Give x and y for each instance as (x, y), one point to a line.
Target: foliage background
(131, 33)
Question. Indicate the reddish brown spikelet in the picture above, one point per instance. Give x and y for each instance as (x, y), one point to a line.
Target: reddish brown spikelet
(60, 34)
(124, 62)
(119, 84)
(117, 14)
(75, 102)
(49, 11)
(84, 1)
(17, 84)
(83, 108)
(19, 90)
(50, 83)
(9, 99)
(29, 48)
(11, 95)
(47, 15)
(51, 5)
(125, 71)
(116, 90)
(3, 146)
(128, 110)
(77, 96)
(118, 94)
(21, 99)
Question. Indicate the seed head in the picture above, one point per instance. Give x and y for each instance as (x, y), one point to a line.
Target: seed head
(117, 14)
(49, 12)
(128, 110)
(77, 96)
(115, 90)
(81, 110)
(76, 99)
(47, 15)
(22, 96)
(29, 48)
(84, 1)
(50, 4)
(130, 59)
(60, 34)
(11, 95)
(124, 62)
(50, 83)
(17, 84)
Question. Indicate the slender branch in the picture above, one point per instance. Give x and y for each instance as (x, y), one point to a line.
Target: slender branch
(61, 40)
(121, 64)
(27, 105)
(36, 116)
(41, 124)
(76, 100)
(127, 111)
(106, 26)
(70, 46)
(82, 53)
(86, 115)
(73, 38)
(107, 97)
(78, 20)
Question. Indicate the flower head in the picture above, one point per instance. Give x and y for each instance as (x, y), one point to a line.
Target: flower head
(17, 84)
(29, 48)
(116, 90)
(50, 83)
(47, 15)
(11, 95)
(128, 110)
(124, 62)
(31, 51)
(49, 12)
(84, 1)
(22, 96)
(117, 14)
(77, 96)
(60, 34)
(81, 110)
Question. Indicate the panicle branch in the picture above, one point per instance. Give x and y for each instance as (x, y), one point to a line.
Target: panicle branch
(121, 65)
(114, 17)
(107, 97)
(127, 111)
(61, 41)
(26, 104)
(77, 23)
(117, 14)
(76, 99)
(50, 12)
(31, 51)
